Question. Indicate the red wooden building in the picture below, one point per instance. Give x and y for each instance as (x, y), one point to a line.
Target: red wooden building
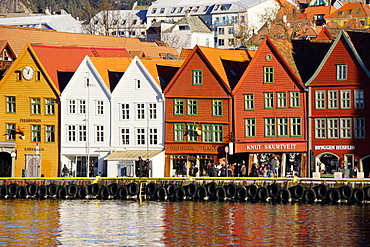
(339, 111)
(198, 118)
(270, 111)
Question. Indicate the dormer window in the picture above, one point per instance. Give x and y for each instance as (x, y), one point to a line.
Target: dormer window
(205, 8)
(134, 22)
(225, 7)
(196, 9)
(180, 9)
(162, 10)
(154, 10)
(173, 10)
(216, 7)
(340, 13)
(184, 27)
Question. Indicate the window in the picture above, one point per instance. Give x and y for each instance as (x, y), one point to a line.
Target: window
(179, 107)
(359, 99)
(10, 130)
(341, 72)
(153, 136)
(320, 128)
(82, 133)
(281, 100)
(211, 133)
(269, 100)
(221, 30)
(197, 77)
(231, 30)
(345, 99)
(137, 84)
(269, 127)
(18, 75)
(162, 10)
(217, 107)
(192, 106)
(140, 136)
(345, 128)
(99, 107)
(173, 10)
(250, 127)
(295, 126)
(10, 104)
(125, 136)
(125, 111)
(154, 10)
(332, 99)
(359, 128)
(50, 133)
(152, 111)
(99, 133)
(82, 106)
(36, 133)
(180, 9)
(179, 132)
(140, 110)
(282, 126)
(217, 133)
(191, 132)
(35, 106)
(207, 133)
(49, 107)
(249, 102)
(332, 128)
(72, 106)
(294, 99)
(221, 42)
(71, 132)
(268, 74)
(320, 99)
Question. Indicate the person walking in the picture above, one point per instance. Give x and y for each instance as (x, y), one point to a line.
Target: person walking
(244, 171)
(273, 164)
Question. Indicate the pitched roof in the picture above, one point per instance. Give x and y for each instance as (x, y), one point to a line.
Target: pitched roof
(218, 57)
(56, 59)
(351, 10)
(184, 53)
(110, 69)
(19, 37)
(353, 24)
(325, 34)
(196, 24)
(319, 10)
(162, 70)
(361, 41)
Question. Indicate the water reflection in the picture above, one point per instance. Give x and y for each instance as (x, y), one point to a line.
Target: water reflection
(129, 223)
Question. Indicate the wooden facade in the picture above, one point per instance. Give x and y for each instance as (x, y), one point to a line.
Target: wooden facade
(270, 113)
(198, 133)
(30, 118)
(339, 111)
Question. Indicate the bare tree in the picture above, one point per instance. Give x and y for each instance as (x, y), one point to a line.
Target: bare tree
(244, 30)
(173, 39)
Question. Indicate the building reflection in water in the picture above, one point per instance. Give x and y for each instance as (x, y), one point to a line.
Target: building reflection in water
(129, 223)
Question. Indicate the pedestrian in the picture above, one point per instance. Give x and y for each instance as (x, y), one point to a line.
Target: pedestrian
(65, 171)
(195, 171)
(244, 171)
(273, 164)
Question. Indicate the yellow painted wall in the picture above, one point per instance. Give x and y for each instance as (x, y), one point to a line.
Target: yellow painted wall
(24, 90)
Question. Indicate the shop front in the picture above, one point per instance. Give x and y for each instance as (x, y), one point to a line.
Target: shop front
(288, 158)
(181, 159)
(338, 158)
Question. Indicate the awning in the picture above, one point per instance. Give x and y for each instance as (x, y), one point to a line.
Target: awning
(133, 154)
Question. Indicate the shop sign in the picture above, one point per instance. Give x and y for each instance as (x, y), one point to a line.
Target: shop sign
(30, 120)
(335, 147)
(28, 149)
(271, 146)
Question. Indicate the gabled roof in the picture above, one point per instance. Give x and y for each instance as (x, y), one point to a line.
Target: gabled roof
(325, 34)
(334, 44)
(353, 24)
(56, 59)
(319, 10)
(307, 55)
(361, 41)
(351, 10)
(221, 61)
(284, 50)
(162, 70)
(195, 23)
(184, 53)
(19, 37)
(110, 66)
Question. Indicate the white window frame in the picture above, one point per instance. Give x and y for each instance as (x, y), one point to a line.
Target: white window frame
(332, 99)
(152, 108)
(295, 126)
(282, 124)
(82, 131)
(249, 102)
(345, 128)
(345, 99)
(269, 100)
(140, 136)
(320, 99)
(140, 111)
(250, 127)
(333, 128)
(82, 106)
(99, 107)
(99, 133)
(125, 111)
(71, 106)
(320, 128)
(294, 99)
(125, 136)
(281, 99)
(270, 125)
(153, 136)
(359, 98)
(342, 72)
(71, 133)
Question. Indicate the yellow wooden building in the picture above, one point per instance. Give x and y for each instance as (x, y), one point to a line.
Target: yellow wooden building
(29, 119)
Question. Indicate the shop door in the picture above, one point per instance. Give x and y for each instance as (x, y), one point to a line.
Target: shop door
(33, 165)
(5, 164)
(366, 167)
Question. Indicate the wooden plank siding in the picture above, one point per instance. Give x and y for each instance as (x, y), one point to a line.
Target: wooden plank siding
(24, 90)
(325, 80)
(252, 82)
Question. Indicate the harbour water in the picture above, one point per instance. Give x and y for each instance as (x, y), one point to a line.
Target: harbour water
(188, 223)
